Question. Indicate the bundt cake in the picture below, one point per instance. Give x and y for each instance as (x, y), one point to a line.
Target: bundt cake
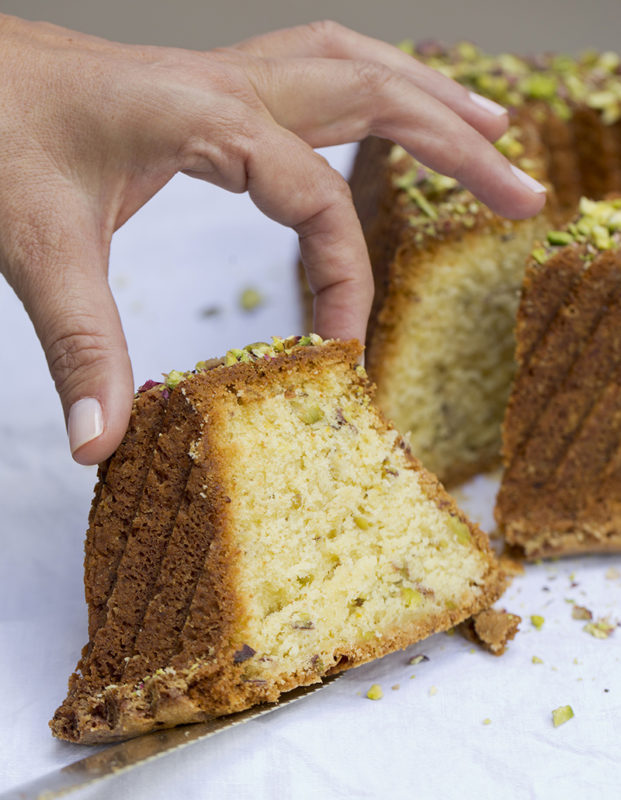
(260, 526)
(561, 488)
(448, 272)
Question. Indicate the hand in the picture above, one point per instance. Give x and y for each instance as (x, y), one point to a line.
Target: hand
(92, 129)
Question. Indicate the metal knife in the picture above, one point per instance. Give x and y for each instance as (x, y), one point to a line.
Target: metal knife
(118, 758)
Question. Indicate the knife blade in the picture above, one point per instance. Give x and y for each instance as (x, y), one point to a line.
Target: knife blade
(121, 757)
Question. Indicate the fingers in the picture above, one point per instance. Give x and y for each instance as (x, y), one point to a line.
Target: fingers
(344, 101)
(333, 41)
(290, 183)
(62, 282)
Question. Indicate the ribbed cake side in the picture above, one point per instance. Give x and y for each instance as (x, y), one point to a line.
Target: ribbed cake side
(561, 489)
(117, 495)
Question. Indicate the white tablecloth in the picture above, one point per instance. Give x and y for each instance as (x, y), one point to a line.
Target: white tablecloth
(188, 252)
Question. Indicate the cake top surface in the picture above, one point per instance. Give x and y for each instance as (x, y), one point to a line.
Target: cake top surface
(436, 205)
(254, 353)
(560, 80)
(597, 228)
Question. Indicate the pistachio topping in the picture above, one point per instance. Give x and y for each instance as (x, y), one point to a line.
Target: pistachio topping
(173, 378)
(597, 227)
(556, 81)
(250, 354)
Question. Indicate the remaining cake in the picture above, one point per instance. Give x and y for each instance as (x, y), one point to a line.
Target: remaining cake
(561, 488)
(448, 272)
(260, 526)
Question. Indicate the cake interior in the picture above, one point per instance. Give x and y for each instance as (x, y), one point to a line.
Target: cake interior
(339, 544)
(446, 369)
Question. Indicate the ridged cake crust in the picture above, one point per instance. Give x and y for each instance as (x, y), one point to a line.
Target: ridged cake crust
(561, 489)
(169, 571)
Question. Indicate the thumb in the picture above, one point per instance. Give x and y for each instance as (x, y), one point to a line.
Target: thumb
(77, 321)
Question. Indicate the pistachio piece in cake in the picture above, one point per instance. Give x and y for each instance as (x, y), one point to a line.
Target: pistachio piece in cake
(258, 549)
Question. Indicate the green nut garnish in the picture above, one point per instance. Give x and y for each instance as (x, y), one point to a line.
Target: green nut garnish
(411, 597)
(537, 621)
(174, 378)
(310, 414)
(421, 201)
(537, 660)
(375, 692)
(560, 237)
(540, 255)
(460, 530)
(561, 715)
(250, 299)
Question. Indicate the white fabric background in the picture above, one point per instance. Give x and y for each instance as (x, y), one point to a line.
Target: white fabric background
(191, 248)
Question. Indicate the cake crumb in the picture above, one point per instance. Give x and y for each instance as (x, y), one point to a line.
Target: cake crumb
(580, 612)
(395, 687)
(492, 629)
(510, 563)
(612, 574)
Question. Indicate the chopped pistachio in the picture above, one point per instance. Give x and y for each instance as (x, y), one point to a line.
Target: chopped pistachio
(537, 621)
(460, 530)
(418, 659)
(433, 690)
(537, 660)
(173, 378)
(560, 237)
(411, 597)
(309, 414)
(487, 721)
(561, 715)
(250, 298)
(421, 201)
(375, 692)
(601, 629)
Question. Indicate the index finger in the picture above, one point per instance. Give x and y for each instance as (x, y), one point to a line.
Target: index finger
(292, 184)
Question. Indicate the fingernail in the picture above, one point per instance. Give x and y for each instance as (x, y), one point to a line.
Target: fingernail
(85, 422)
(526, 179)
(488, 105)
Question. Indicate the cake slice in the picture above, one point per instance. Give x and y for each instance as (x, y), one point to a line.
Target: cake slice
(447, 278)
(261, 526)
(561, 489)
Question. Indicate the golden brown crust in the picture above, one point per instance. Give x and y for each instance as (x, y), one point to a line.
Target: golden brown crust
(561, 487)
